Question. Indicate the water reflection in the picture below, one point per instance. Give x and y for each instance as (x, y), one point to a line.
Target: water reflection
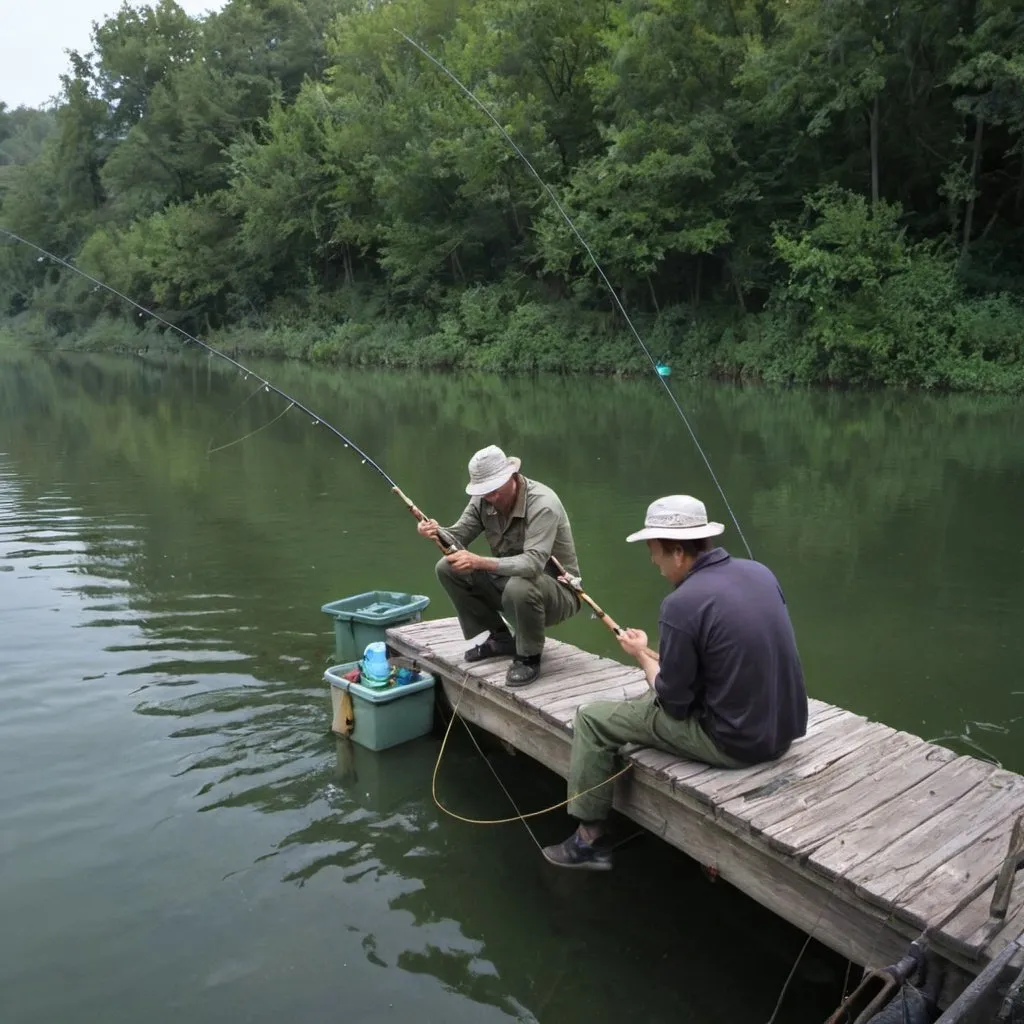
(188, 641)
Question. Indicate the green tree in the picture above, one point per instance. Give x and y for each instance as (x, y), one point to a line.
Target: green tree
(807, 191)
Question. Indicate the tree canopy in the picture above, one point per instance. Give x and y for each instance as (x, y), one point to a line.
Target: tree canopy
(818, 191)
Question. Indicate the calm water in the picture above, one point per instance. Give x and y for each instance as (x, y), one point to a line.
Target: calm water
(181, 838)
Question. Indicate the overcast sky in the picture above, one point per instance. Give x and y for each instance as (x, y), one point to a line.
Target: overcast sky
(35, 33)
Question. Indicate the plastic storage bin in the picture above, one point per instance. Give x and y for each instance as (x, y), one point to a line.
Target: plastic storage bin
(361, 620)
(385, 717)
(381, 781)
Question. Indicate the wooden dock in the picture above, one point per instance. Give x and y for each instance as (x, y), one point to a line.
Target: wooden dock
(860, 835)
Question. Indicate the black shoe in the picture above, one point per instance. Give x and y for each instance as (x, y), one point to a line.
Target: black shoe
(497, 645)
(525, 668)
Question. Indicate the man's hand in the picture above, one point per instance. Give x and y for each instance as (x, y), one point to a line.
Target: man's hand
(427, 528)
(464, 561)
(633, 641)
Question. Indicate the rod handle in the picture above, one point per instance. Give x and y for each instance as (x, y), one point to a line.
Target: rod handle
(586, 598)
(447, 546)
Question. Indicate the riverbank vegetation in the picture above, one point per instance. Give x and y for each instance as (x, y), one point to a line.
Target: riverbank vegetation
(780, 189)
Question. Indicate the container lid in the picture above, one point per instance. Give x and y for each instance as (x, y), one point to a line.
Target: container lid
(376, 607)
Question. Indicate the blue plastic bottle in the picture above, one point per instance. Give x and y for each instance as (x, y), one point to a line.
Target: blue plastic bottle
(376, 667)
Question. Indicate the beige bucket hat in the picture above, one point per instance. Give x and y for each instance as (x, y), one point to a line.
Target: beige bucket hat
(489, 469)
(676, 517)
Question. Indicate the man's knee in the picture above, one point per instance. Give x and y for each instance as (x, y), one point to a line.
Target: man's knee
(520, 590)
(583, 724)
(598, 724)
(444, 570)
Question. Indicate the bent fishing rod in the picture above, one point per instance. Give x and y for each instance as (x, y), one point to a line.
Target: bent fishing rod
(593, 259)
(444, 539)
(574, 583)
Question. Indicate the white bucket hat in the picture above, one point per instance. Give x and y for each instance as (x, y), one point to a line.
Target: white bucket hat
(489, 469)
(677, 517)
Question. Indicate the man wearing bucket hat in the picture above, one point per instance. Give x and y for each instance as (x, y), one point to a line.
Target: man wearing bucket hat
(726, 683)
(525, 524)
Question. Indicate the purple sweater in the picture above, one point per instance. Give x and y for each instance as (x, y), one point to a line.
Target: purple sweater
(729, 657)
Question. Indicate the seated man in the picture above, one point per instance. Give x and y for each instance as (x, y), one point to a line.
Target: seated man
(727, 685)
(525, 525)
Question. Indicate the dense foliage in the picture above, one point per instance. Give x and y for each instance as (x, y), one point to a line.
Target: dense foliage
(812, 190)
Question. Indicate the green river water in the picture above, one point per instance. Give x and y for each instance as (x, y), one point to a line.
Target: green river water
(181, 837)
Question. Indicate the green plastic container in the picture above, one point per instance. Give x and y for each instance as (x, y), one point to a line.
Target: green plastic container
(384, 718)
(362, 619)
(382, 781)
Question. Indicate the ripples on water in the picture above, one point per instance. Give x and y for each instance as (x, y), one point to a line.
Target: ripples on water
(182, 838)
(139, 743)
(150, 910)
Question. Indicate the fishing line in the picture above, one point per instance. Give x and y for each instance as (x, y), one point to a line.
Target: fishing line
(267, 385)
(252, 433)
(597, 266)
(789, 978)
(231, 415)
(437, 764)
(445, 541)
(242, 404)
(519, 816)
(923, 940)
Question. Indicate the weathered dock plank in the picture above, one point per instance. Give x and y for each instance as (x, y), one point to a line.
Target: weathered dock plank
(915, 865)
(777, 809)
(880, 829)
(860, 835)
(876, 786)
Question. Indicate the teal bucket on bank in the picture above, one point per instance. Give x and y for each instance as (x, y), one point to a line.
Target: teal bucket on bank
(361, 620)
(385, 717)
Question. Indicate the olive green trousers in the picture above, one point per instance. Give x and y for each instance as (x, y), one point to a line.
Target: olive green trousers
(530, 604)
(601, 729)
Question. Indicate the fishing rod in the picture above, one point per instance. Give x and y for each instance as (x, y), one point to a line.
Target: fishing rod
(443, 538)
(448, 544)
(576, 584)
(593, 259)
(267, 385)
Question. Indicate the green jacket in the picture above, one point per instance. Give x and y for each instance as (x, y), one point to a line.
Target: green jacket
(536, 528)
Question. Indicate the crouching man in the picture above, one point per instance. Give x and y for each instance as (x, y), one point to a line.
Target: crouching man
(525, 524)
